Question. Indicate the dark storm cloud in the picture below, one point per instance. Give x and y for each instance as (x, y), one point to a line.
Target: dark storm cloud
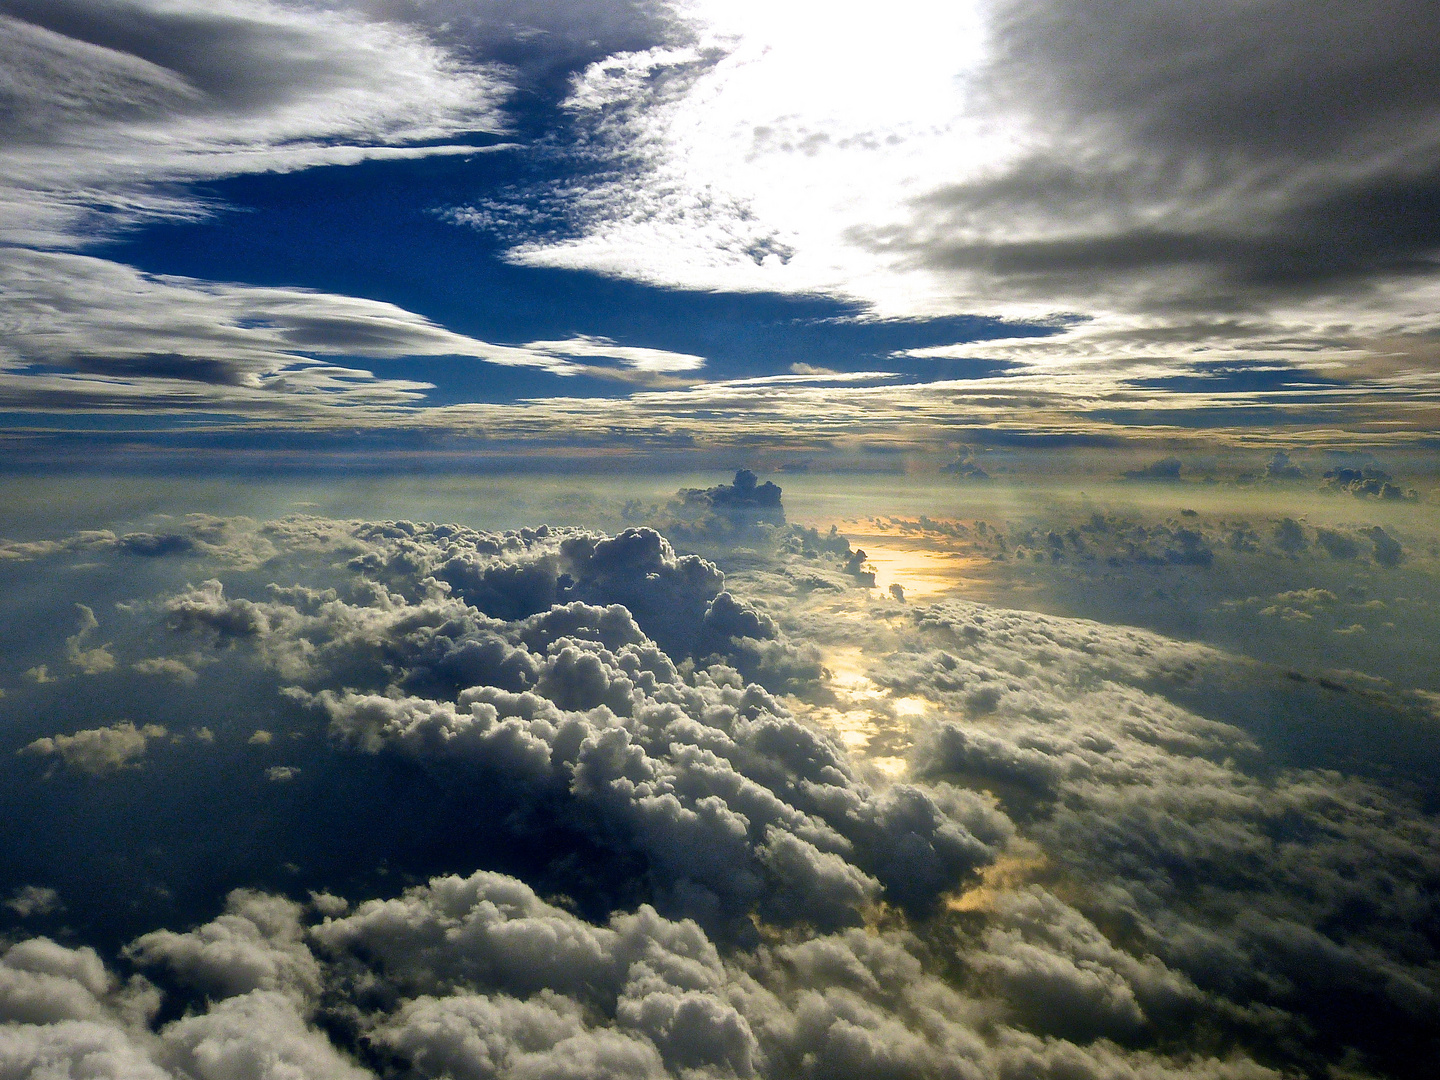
(1367, 482)
(1210, 154)
(1164, 469)
(1388, 551)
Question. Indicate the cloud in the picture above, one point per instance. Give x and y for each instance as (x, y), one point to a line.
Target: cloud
(606, 851)
(1336, 544)
(1164, 469)
(1388, 551)
(966, 468)
(484, 979)
(1289, 536)
(630, 358)
(88, 333)
(98, 751)
(493, 653)
(115, 106)
(45, 983)
(261, 1035)
(1159, 177)
(1080, 186)
(1248, 150)
(167, 667)
(34, 900)
(113, 101)
(1164, 206)
(512, 985)
(90, 661)
(62, 1013)
(540, 44)
(255, 945)
(1159, 801)
(738, 158)
(1368, 482)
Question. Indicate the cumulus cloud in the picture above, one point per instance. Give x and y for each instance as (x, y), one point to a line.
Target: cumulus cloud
(545, 661)
(484, 979)
(99, 750)
(255, 945)
(34, 900)
(167, 667)
(1388, 551)
(63, 1014)
(94, 660)
(1368, 482)
(1086, 867)
(1149, 798)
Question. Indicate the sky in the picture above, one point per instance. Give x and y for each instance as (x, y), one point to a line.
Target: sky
(524, 224)
(719, 540)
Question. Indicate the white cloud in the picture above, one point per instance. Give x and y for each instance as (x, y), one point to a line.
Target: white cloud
(255, 945)
(746, 157)
(1074, 857)
(111, 101)
(257, 1036)
(34, 900)
(98, 750)
(1034, 161)
(128, 340)
(92, 661)
(650, 361)
(116, 106)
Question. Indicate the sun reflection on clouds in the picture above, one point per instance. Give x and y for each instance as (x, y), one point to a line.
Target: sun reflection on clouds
(1022, 864)
(875, 725)
(928, 567)
(918, 572)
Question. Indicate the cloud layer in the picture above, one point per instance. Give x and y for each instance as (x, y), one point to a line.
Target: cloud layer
(1250, 181)
(1085, 865)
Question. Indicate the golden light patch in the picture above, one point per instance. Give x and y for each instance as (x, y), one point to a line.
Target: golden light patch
(893, 767)
(919, 572)
(847, 667)
(923, 566)
(1017, 866)
(873, 726)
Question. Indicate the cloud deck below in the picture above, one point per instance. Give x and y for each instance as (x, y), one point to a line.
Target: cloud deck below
(333, 797)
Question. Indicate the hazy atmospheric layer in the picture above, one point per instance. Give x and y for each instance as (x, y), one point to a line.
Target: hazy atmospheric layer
(1131, 783)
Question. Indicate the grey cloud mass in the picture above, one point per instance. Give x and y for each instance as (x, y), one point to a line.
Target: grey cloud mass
(1219, 155)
